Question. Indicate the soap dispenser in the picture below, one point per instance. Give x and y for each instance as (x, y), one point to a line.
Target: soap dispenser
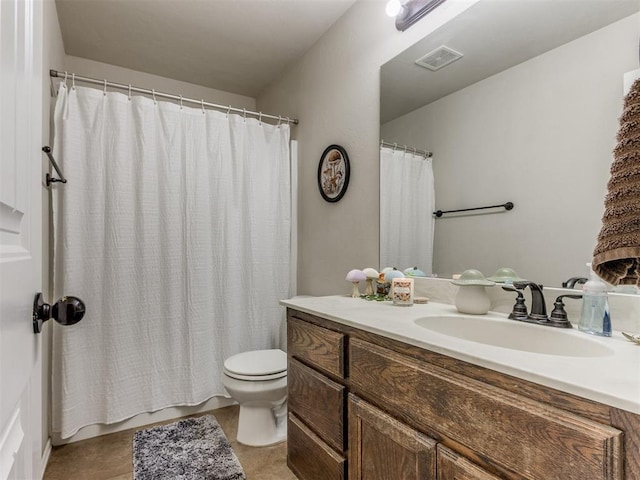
(595, 318)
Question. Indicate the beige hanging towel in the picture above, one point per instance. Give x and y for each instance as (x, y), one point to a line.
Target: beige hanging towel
(616, 258)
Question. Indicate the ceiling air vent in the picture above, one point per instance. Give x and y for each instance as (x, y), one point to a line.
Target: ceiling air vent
(438, 58)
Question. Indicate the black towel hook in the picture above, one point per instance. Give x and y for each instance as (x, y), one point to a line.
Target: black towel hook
(46, 149)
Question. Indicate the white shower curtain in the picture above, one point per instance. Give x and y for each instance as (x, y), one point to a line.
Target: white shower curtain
(407, 200)
(174, 228)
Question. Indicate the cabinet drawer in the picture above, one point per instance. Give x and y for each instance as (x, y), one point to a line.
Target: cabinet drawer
(452, 466)
(316, 346)
(309, 457)
(536, 440)
(318, 401)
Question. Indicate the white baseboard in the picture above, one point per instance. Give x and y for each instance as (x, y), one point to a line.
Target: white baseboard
(46, 453)
(143, 419)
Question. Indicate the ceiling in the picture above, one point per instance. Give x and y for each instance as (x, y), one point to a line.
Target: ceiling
(238, 46)
(493, 35)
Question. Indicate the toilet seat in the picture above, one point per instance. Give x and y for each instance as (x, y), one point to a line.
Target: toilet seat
(257, 365)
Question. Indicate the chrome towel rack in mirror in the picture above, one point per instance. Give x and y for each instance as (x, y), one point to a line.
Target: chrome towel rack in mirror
(506, 206)
(46, 149)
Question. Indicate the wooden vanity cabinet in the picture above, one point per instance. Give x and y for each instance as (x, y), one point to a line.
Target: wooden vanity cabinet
(376, 408)
(316, 446)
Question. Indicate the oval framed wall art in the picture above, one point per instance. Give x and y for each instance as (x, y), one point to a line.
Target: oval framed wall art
(333, 173)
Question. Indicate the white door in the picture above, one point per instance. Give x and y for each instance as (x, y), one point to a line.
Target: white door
(20, 237)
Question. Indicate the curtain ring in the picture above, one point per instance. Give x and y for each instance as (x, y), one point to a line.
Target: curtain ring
(244, 114)
(260, 118)
(129, 92)
(279, 120)
(153, 94)
(405, 149)
(202, 104)
(104, 90)
(414, 150)
(395, 146)
(228, 110)
(73, 81)
(65, 79)
(288, 121)
(180, 102)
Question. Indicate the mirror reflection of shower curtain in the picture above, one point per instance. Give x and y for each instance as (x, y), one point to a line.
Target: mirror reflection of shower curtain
(174, 228)
(407, 201)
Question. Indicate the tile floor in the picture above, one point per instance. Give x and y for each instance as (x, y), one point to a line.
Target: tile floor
(110, 457)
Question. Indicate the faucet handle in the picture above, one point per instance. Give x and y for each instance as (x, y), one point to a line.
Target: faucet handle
(519, 311)
(558, 317)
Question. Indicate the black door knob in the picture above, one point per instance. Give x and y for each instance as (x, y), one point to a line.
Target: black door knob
(66, 311)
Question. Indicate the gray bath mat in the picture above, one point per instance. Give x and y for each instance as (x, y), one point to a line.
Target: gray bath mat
(190, 449)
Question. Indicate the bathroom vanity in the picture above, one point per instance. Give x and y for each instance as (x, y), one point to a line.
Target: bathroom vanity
(375, 394)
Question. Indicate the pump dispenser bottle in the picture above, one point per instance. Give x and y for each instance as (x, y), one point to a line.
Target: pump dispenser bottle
(595, 318)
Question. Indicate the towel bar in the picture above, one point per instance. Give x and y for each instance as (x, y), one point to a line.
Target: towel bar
(50, 179)
(506, 206)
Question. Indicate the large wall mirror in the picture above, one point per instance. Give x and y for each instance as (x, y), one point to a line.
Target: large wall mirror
(528, 115)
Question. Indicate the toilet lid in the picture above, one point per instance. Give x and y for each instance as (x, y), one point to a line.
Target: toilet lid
(257, 363)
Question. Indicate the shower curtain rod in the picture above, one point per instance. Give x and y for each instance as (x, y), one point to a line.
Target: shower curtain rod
(395, 146)
(180, 98)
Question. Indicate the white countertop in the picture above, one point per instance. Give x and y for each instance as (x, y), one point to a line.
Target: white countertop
(612, 379)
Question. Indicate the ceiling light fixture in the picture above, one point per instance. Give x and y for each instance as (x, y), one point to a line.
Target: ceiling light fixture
(394, 7)
(408, 12)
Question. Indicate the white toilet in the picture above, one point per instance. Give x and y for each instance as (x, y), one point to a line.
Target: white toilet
(257, 380)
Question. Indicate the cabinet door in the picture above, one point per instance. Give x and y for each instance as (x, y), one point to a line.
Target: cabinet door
(452, 466)
(382, 448)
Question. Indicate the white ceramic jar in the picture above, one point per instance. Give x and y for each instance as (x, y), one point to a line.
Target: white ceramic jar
(472, 298)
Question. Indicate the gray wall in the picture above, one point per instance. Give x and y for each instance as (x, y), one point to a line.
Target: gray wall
(334, 92)
(540, 135)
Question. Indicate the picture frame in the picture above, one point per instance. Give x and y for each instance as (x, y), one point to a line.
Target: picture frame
(333, 173)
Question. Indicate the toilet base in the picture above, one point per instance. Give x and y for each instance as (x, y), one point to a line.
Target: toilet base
(260, 426)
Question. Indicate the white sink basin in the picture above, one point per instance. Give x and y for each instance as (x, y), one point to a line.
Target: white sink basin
(516, 335)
